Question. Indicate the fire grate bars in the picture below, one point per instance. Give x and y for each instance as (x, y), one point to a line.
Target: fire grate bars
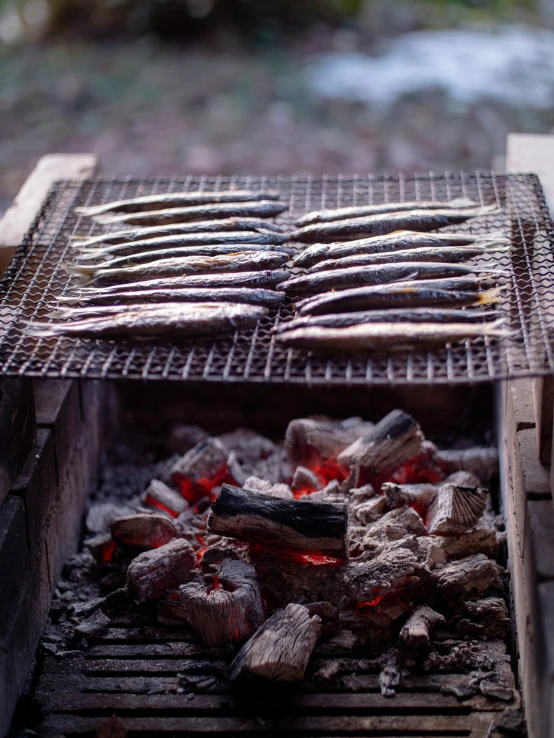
(35, 279)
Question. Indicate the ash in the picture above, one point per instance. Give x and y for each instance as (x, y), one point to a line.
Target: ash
(345, 549)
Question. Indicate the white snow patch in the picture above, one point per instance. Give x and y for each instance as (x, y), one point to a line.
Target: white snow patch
(514, 65)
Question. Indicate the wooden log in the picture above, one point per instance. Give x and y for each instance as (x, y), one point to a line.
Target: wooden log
(143, 531)
(455, 510)
(309, 442)
(166, 567)
(228, 610)
(281, 648)
(483, 462)
(470, 576)
(294, 525)
(416, 631)
(162, 497)
(396, 439)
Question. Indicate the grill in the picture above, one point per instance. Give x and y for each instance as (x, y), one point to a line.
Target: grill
(131, 671)
(36, 278)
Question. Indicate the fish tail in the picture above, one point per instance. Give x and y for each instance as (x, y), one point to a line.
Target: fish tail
(42, 330)
(106, 219)
(89, 210)
(86, 273)
(489, 297)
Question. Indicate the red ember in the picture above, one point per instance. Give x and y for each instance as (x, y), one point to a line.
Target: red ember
(164, 508)
(108, 552)
(194, 491)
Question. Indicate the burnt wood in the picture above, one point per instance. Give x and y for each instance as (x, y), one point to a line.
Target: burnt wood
(281, 648)
(166, 567)
(295, 525)
(389, 444)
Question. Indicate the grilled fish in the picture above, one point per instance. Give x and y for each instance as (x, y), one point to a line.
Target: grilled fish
(370, 275)
(180, 240)
(259, 278)
(203, 226)
(394, 315)
(359, 211)
(171, 320)
(448, 255)
(261, 209)
(396, 241)
(458, 292)
(102, 259)
(124, 296)
(378, 225)
(392, 336)
(240, 261)
(177, 200)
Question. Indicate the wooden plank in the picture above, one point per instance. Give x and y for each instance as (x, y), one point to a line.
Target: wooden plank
(343, 702)
(535, 153)
(148, 634)
(395, 724)
(149, 650)
(20, 215)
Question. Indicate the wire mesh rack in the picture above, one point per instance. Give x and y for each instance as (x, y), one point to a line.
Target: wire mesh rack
(36, 278)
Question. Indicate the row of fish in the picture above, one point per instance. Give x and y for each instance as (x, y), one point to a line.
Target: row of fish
(202, 262)
(393, 280)
(179, 264)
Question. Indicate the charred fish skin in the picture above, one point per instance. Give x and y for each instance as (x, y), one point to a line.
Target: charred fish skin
(396, 241)
(181, 267)
(448, 254)
(395, 336)
(371, 275)
(393, 315)
(254, 279)
(378, 225)
(400, 295)
(177, 199)
(360, 211)
(245, 295)
(102, 258)
(183, 319)
(260, 209)
(204, 226)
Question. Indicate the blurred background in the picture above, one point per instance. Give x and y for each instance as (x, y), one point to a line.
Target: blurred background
(271, 86)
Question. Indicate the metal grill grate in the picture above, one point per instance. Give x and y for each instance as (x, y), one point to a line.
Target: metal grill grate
(35, 279)
(131, 671)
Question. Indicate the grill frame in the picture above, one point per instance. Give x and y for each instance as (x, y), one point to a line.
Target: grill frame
(35, 277)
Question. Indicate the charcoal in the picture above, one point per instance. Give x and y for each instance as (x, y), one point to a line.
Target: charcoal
(102, 514)
(408, 494)
(93, 625)
(482, 462)
(101, 546)
(470, 576)
(282, 646)
(387, 573)
(454, 510)
(162, 568)
(480, 540)
(143, 531)
(305, 480)
(181, 438)
(416, 631)
(369, 512)
(228, 612)
(200, 468)
(162, 497)
(255, 484)
(294, 525)
(463, 479)
(309, 442)
(487, 618)
(390, 675)
(398, 523)
(113, 727)
(389, 444)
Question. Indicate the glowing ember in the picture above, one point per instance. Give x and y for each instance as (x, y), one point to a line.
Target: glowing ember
(200, 553)
(329, 470)
(422, 468)
(164, 508)
(362, 607)
(108, 552)
(194, 491)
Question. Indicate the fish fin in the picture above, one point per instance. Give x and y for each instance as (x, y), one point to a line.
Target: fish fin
(489, 297)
